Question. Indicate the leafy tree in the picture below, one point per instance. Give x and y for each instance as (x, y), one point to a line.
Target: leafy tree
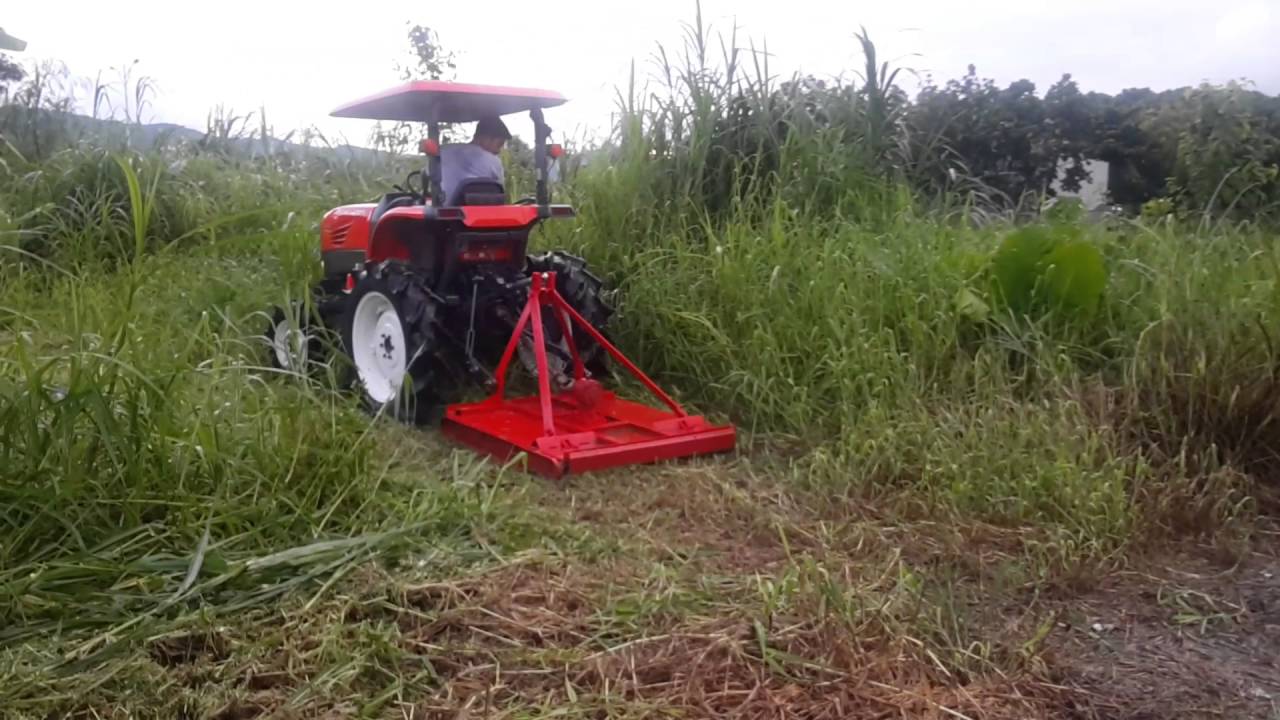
(1212, 148)
(1139, 160)
(1072, 128)
(429, 60)
(1008, 139)
(1228, 150)
(10, 73)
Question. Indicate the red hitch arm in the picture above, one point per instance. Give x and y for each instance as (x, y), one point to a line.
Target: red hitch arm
(543, 292)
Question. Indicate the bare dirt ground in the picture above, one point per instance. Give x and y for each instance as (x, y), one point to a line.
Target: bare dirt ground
(1185, 637)
(726, 596)
(712, 590)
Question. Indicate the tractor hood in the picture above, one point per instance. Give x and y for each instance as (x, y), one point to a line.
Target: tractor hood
(447, 102)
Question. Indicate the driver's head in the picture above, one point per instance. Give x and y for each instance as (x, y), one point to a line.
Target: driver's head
(491, 134)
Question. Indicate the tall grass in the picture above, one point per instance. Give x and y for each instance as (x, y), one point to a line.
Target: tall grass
(774, 271)
(154, 473)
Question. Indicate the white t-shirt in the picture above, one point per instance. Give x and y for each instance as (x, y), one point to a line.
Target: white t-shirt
(460, 162)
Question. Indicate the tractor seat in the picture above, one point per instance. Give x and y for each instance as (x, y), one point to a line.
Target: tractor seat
(478, 192)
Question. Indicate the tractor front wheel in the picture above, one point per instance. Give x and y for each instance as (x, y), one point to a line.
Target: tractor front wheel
(387, 333)
(292, 339)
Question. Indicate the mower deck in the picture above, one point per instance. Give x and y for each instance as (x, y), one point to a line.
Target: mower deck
(586, 427)
(595, 429)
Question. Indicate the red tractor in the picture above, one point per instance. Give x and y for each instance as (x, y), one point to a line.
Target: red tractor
(426, 292)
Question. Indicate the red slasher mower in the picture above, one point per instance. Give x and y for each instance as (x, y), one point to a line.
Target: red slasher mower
(427, 292)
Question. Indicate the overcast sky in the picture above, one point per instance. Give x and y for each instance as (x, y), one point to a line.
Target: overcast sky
(301, 59)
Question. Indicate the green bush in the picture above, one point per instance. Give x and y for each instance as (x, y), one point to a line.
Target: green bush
(1048, 269)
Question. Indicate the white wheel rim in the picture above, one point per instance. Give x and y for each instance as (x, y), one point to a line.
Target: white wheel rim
(377, 340)
(287, 342)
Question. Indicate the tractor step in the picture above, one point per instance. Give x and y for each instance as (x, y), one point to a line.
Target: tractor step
(585, 427)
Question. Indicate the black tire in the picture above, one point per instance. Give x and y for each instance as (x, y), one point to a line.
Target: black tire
(416, 399)
(585, 293)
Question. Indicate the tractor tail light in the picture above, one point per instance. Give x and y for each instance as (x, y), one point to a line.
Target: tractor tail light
(484, 252)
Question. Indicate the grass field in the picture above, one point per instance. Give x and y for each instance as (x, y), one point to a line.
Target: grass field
(943, 504)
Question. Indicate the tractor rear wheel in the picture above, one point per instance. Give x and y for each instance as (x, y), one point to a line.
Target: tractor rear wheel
(387, 333)
(585, 293)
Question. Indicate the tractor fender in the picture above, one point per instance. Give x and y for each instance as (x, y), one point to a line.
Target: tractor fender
(392, 230)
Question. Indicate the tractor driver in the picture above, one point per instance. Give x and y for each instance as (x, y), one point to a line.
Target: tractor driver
(477, 160)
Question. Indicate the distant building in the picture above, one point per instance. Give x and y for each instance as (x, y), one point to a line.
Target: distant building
(1093, 191)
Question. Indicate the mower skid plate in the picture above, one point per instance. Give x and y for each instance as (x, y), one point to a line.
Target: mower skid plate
(605, 431)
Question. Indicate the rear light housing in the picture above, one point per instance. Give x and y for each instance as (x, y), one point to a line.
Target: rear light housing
(482, 252)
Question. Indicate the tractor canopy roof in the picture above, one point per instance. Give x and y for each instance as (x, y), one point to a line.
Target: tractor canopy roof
(447, 102)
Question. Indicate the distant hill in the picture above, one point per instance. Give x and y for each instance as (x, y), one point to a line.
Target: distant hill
(53, 128)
